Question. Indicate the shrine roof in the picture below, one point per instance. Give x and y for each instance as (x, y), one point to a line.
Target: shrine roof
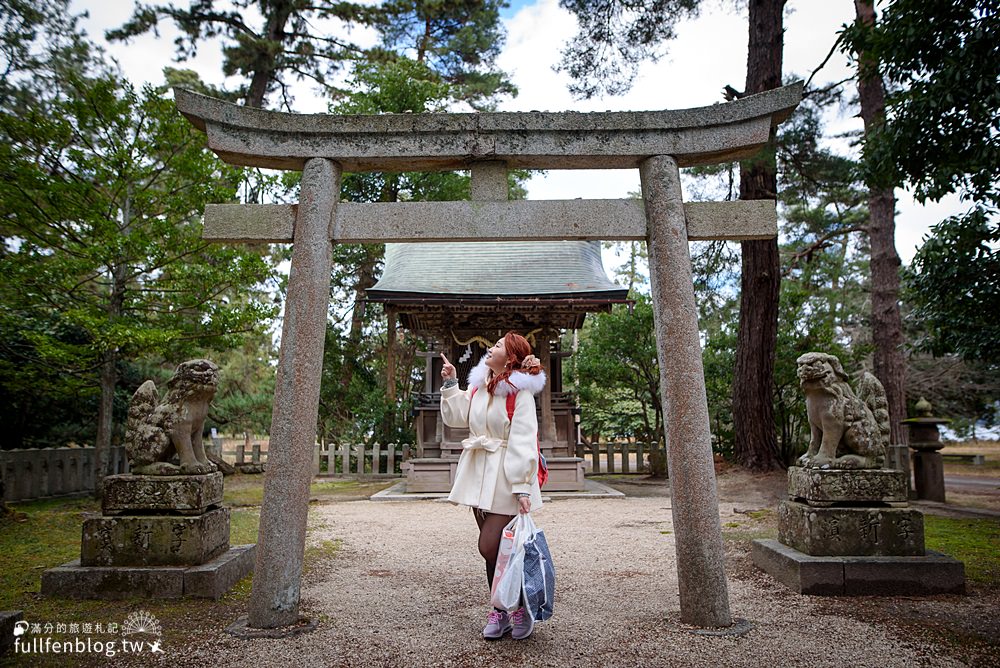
(485, 269)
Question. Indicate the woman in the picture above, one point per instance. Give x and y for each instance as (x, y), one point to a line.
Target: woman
(497, 472)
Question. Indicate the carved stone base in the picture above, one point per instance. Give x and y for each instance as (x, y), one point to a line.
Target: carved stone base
(846, 486)
(437, 474)
(155, 540)
(932, 573)
(566, 474)
(851, 531)
(430, 474)
(182, 494)
(209, 580)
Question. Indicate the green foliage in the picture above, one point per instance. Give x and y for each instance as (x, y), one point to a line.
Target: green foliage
(395, 87)
(458, 39)
(941, 61)
(618, 373)
(101, 193)
(954, 285)
(282, 42)
(246, 387)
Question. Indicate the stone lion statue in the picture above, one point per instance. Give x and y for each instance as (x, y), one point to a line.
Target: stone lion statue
(848, 431)
(157, 430)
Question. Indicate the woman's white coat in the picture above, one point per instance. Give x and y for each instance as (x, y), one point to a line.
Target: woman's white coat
(488, 474)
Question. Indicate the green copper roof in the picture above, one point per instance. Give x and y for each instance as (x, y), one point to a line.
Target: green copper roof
(488, 268)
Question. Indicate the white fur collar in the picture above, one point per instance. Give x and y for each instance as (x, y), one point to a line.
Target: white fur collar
(524, 381)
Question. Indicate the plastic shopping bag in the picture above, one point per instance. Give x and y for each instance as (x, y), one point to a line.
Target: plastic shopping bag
(538, 573)
(508, 576)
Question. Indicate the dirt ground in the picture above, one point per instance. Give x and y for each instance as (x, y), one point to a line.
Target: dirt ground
(402, 584)
(407, 587)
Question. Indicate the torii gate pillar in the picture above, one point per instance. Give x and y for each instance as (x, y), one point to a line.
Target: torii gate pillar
(694, 503)
(281, 540)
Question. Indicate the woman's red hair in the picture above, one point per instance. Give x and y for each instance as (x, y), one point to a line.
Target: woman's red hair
(517, 348)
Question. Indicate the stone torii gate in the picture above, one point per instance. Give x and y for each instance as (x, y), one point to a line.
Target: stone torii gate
(658, 143)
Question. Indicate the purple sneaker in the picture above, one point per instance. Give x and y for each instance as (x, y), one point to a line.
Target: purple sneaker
(523, 624)
(497, 625)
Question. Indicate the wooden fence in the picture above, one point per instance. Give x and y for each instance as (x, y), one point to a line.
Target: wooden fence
(340, 460)
(620, 456)
(42, 473)
(49, 472)
(378, 460)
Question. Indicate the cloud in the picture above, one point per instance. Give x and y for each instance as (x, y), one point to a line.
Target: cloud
(708, 53)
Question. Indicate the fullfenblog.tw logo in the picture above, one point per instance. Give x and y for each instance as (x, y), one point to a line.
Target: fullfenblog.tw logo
(139, 633)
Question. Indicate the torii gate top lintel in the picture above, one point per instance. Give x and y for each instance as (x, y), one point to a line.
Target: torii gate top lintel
(532, 140)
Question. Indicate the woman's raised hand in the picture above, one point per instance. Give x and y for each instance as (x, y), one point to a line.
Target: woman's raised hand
(448, 370)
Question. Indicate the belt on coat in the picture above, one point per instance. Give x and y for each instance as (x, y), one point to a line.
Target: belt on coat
(483, 442)
(484, 468)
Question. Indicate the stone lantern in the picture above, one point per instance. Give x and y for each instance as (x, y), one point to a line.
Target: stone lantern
(925, 441)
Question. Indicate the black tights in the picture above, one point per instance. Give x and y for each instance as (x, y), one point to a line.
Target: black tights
(490, 531)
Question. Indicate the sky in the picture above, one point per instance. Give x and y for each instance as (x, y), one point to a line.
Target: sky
(708, 53)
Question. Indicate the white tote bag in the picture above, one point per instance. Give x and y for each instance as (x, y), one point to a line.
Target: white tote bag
(508, 578)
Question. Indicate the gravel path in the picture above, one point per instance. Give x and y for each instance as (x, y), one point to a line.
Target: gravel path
(408, 588)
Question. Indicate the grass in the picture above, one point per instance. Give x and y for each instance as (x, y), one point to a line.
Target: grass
(248, 490)
(975, 542)
(51, 536)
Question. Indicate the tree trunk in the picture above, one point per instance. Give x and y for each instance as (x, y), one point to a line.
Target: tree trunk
(109, 358)
(753, 377)
(105, 420)
(265, 61)
(887, 324)
(366, 279)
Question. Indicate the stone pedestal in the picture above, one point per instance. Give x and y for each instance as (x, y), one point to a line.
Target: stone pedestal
(157, 537)
(928, 474)
(844, 532)
(825, 487)
(154, 540)
(182, 494)
(8, 618)
(437, 474)
(925, 441)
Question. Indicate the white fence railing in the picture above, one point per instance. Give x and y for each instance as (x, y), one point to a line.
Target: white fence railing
(338, 459)
(38, 473)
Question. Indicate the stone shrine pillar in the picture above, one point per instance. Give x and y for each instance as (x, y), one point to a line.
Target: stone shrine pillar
(925, 441)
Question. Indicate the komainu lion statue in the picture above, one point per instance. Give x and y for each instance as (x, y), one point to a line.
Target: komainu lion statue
(848, 431)
(157, 429)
